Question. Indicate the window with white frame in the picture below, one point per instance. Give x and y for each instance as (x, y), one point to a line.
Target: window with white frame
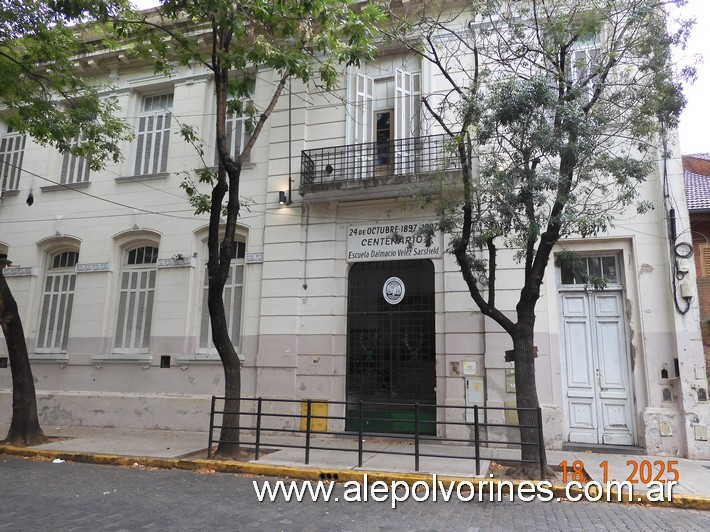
(580, 67)
(385, 110)
(57, 301)
(74, 169)
(153, 135)
(135, 300)
(232, 296)
(236, 132)
(12, 149)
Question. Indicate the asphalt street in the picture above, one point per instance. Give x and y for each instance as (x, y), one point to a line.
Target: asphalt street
(42, 495)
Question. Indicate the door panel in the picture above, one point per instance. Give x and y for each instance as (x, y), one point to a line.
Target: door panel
(598, 398)
(391, 347)
(612, 360)
(580, 372)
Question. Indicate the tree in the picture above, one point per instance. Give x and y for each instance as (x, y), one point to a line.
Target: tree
(560, 104)
(303, 40)
(49, 101)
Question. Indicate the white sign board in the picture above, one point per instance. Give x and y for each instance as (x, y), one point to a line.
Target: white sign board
(392, 241)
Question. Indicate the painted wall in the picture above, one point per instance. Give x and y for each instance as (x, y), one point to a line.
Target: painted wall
(294, 320)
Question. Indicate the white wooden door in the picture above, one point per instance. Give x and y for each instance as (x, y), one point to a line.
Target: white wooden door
(404, 113)
(598, 392)
(364, 151)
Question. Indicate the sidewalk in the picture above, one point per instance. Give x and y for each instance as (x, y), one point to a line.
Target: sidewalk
(165, 448)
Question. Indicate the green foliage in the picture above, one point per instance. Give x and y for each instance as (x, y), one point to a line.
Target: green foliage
(563, 116)
(39, 84)
(304, 40)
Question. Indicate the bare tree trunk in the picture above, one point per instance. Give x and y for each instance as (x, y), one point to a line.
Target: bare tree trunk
(526, 398)
(228, 446)
(24, 427)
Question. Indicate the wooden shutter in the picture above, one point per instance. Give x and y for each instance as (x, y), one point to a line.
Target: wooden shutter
(705, 260)
(364, 90)
(12, 149)
(236, 135)
(205, 333)
(57, 302)
(135, 302)
(74, 169)
(232, 297)
(153, 136)
(403, 117)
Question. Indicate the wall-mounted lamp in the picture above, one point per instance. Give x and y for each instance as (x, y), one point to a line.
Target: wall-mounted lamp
(283, 198)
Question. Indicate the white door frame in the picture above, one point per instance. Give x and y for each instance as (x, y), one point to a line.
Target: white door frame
(613, 405)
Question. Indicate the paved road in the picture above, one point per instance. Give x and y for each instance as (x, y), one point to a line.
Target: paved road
(41, 495)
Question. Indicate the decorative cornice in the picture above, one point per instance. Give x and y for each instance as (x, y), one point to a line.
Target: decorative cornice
(254, 258)
(177, 262)
(20, 271)
(89, 267)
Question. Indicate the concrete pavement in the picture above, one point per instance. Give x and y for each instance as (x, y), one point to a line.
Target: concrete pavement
(171, 449)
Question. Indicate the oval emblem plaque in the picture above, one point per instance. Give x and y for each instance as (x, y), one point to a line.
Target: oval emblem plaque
(393, 290)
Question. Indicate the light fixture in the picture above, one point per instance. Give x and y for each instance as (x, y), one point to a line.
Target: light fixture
(283, 199)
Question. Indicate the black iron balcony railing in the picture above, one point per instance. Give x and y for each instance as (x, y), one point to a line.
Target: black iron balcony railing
(356, 162)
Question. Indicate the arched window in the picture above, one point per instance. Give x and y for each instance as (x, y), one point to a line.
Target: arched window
(233, 295)
(57, 302)
(135, 300)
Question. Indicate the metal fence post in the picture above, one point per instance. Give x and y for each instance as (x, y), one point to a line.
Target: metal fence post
(308, 431)
(209, 444)
(477, 434)
(416, 436)
(541, 443)
(359, 434)
(257, 443)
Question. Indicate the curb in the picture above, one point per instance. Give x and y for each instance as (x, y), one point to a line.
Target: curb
(694, 502)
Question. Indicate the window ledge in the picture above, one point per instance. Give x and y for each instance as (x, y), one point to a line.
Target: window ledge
(144, 177)
(65, 186)
(144, 359)
(6, 193)
(245, 166)
(49, 357)
(211, 358)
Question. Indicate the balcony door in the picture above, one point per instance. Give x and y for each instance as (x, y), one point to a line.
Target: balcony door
(384, 127)
(384, 139)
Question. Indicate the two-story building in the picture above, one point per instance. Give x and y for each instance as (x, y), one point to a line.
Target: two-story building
(334, 294)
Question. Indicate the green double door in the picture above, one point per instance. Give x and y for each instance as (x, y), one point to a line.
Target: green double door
(391, 346)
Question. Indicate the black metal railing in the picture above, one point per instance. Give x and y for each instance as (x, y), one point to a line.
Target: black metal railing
(254, 433)
(355, 162)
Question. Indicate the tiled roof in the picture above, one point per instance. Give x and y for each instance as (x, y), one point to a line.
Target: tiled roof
(697, 191)
(703, 156)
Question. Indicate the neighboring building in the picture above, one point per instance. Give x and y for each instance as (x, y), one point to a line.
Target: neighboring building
(697, 189)
(323, 304)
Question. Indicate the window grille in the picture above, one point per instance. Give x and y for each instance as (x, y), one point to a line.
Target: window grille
(74, 169)
(57, 301)
(135, 305)
(12, 149)
(237, 135)
(232, 297)
(153, 135)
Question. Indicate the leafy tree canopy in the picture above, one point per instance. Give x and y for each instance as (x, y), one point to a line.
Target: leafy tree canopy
(39, 84)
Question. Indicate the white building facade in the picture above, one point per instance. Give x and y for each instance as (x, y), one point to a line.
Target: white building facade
(334, 296)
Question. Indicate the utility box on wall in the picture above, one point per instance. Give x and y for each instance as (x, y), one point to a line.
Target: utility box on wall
(475, 395)
(319, 409)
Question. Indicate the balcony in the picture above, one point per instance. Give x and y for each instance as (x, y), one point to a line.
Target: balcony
(384, 165)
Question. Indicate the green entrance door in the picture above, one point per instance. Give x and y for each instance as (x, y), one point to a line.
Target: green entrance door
(391, 346)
